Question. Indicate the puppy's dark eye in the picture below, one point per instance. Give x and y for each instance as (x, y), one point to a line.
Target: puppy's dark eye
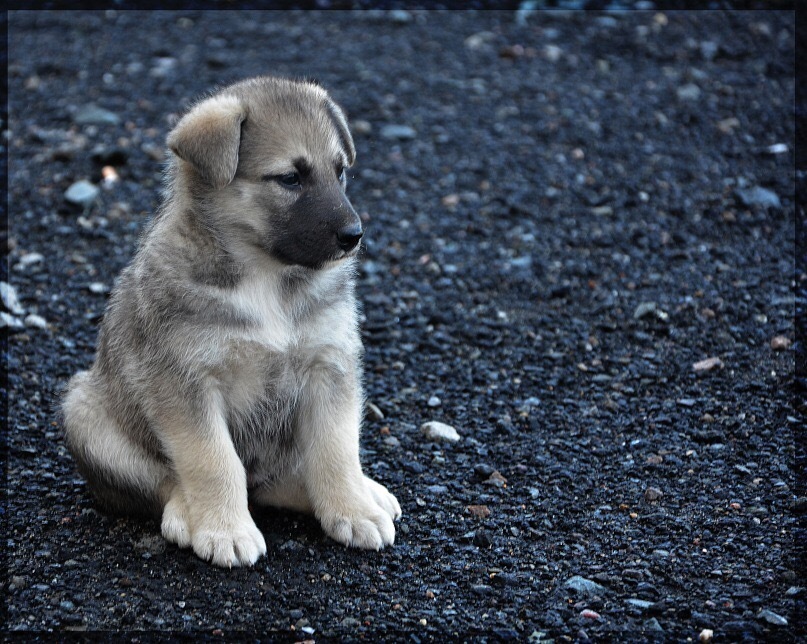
(289, 180)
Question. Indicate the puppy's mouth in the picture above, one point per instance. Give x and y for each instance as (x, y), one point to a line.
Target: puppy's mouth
(343, 255)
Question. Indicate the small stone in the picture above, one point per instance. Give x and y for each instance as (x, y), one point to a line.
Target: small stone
(400, 132)
(709, 49)
(349, 623)
(525, 261)
(10, 299)
(483, 470)
(552, 53)
(30, 258)
(434, 401)
(99, 288)
(496, 479)
(67, 605)
(479, 40)
(653, 625)
(585, 586)
(391, 441)
(361, 127)
(400, 16)
(36, 322)
(772, 618)
(641, 604)
(726, 126)
(707, 365)
(82, 193)
(9, 321)
(652, 494)
(18, 583)
(163, 66)
(589, 614)
(777, 148)
(482, 539)
(759, 196)
(437, 431)
(706, 635)
(645, 309)
(371, 411)
(512, 51)
(479, 511)
(688, 92)
(632, 573)
(780, 342)
(94, 115)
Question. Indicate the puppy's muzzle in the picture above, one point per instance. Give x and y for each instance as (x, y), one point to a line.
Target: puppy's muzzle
(349, 236)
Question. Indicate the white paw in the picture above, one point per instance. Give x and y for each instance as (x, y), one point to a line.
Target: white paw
(383, 498)
(238, 544)
(367, 522)
(175, 523)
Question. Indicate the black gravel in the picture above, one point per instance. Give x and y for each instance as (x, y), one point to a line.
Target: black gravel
(584, 207)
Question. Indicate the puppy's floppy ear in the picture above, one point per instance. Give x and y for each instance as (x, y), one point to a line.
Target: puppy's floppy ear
(208, 138)
(340, 123)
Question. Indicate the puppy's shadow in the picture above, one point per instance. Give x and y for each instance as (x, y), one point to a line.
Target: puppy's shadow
(287, 530)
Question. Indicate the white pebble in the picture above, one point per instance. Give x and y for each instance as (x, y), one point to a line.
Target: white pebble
(36, 321)
(98, 288)
(707, 365)
(81, 193)
(10, 299)
(436, 431)
(434, 401)
(552, 53)
(31, 258)
(373, 412)
(9, 321)
(772, 618)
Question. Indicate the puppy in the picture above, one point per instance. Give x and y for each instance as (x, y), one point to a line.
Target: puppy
(228, 363)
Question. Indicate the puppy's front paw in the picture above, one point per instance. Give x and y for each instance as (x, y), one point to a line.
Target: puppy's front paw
(175, 521)
(384, 498)
(238, 544)
(367, 526)
(366, 520)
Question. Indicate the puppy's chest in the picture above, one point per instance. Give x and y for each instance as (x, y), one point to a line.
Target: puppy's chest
(261, 389)
(265, 359)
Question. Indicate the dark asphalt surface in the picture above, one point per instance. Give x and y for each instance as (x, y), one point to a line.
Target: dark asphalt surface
(580, 254)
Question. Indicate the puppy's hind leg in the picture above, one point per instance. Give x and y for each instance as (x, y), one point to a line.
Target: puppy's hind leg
(121, 474)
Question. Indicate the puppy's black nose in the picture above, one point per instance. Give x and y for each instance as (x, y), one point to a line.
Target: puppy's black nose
(349, 236)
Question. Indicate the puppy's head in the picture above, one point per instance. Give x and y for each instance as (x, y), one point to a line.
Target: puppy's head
(265, 160)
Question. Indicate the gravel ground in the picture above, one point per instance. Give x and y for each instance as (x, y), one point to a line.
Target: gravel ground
(580, 254)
